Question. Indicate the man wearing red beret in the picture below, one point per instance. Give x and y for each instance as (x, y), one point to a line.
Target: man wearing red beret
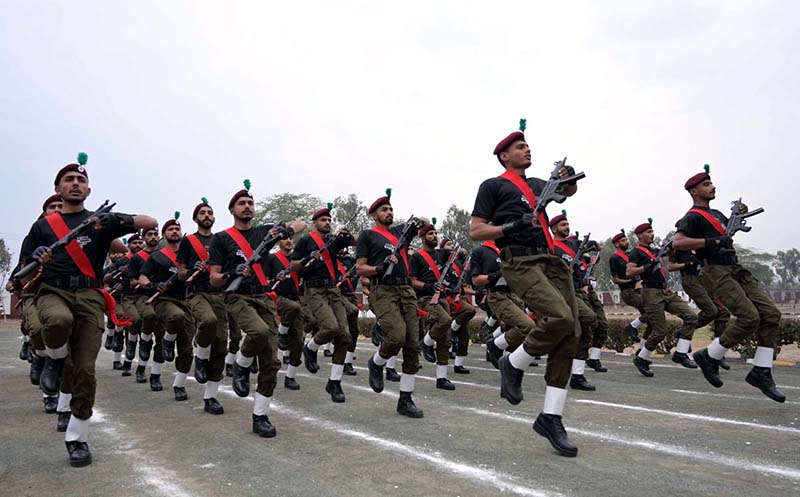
(504, 211)
(703, 230)
(144, 325)
(630, 287)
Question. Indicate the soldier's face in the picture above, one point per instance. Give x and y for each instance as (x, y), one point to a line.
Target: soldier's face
(205, 217)
(623, 244)
(562, 229)
(449, 245)
(431, 238)
(151, 238)
(517, 155)
(286, 245)
(73, 187)
(136, 246)
(384, 215)
(647, 236)
(173, 234)
(323, 224)
(53, 207)
(244, 209)
(705, 190)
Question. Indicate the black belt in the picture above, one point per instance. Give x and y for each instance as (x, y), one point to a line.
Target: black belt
(500, 289)
(393, 280)
(657, 286)
(320, 283)
(522, 251)
(290, 296)
(74, 282)
(251, 289)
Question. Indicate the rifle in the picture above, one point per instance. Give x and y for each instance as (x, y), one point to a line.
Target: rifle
(264, 247)
(317, 254)
(192, 276)
(737, 221)
(402, 242)
(587, 277)
(460, 280)
(170, 281)
(451, 259)
(280, 278)
(551, 189)
(72, 235)
(577, 260)
(663, 252)
(345, 276)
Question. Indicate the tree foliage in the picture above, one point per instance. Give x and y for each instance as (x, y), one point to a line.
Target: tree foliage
(5, 269)
(787, 266)
(349, 209)
(286, 207)
(456, 227)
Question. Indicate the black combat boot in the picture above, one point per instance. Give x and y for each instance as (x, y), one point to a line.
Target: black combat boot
(155, 382)
(241, 380)
(63, 421)
(761, 378)
(493, 352)
(428, 352)
(551, 427)
(375, 376)
(140, 376)
(50, 404)
(723, 363)
(709, 366)
(643, 365)
(392, 375)
(579, 382)
(201, 370)
(596, 365)
(229, 370)
(180, 393)
(126, 368)
(460, 370)
(290, 384)
(79, 454)
(130, 350)
(349, 370)
(377, 335)
(262, 427)
(334, 387)
(52, 374)
(310, 358)
(109, 344)
(23, 351)
(116, 366)
(444, 384)
(118, 342)
(510, 381)
(145, 347)
(684, 360)
(37, 366)
(632, 332)
(406, 406)
(168, 350)
(212, 406)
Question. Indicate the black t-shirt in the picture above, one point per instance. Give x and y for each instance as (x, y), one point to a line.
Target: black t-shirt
(421, 270)
(188, 257)
(376, 248)
(577, 270)
(159, 268)
(683, 257)
(650, 279)
(348, 287)
(486, 261)
(135, 269)
(123, 280)
(286, 288)
(317, 270)
(225, 252)
(94, 243)
(499, 201)
(618, 268)
(694, 225)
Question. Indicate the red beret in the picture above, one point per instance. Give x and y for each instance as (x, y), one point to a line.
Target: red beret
(696, 180)
(70, 168)
(198, 207)
(52, 198)
(443, 242)
(507, 141)
(642, 228)
(136, 237)
(171, 222)
(236, 196)
(557, 219)
(617, 237)
(379, 202)
(425, 229)
(322, 212)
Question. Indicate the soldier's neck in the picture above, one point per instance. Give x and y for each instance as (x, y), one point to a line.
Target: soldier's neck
(173, 246)
(72, 207)
(700, 202)
(242, 224)
(204, 231)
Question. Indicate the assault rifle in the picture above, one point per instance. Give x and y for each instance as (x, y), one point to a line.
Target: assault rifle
(451, 259)
(317, 254)
(280, 278)
(551, 189)
(346, 276)
(85, 225)
(587, 276)
(402, 242)
(264, 247)
(577, 261)
(663, 252)
(737, 221)
(460, 281)
(169, 283)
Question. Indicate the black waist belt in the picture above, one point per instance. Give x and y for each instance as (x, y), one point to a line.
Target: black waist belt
(320, 283)
(74, 282)
(500, 289)
(251, 289)
(290, 296)
(657, 286)
(726, 261)
(392, 280)
(522, 251)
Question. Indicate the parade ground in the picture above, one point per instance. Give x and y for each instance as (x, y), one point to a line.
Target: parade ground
(671, 435)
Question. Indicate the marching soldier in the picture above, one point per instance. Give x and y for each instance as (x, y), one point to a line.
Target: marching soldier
(251, 308)
(630, 288)
(314, 258)
(461, 311)
(143, 316)
(392, 298)
(656, 299)
(121, 288)
(504, 211)
(347, 285)
(703, 230)
(71, 300)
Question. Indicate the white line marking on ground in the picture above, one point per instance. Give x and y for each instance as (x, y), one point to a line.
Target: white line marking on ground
(455, 382)
(696, 417)
(727, 396)
(479, 368)
(673, 450)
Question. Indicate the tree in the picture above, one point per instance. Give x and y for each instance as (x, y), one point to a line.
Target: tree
(456, 227)
(759, 263)
(787, 265)
(286, 207)
(5, 269)
(349, 207)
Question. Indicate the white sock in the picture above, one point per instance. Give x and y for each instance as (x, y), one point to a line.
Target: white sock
(636, 323)
(763, 357)
(441, 371)
(180, 380)
(44, 395)
(26, 338)
(202, 352)
(391, 363)
(170, 337)
(285, 353)
(291, 371)
(59, 353)
(146, 337)
(455, 326)
(117, 329)
(312, 345)
(520, 359)
(243, 361)
(683, 346)
(156, 368)
(40, 353)
(142, 363)
(460, 360)
(578, 366)
(283, 329)
(77, 430)
(554, 400)
(407, 382)
(428, 340)
(261, 405)
(329, 347)
(644, 353)
(230, 358)
(63, 402)
(715, 350)
(506, 353)
(496, 333)
(501, 342)
(594, 353)
(491, 321)
(336, 372)
(378, 360)
(212, 387)
(133, 338)
(348, 358)
(117, 356)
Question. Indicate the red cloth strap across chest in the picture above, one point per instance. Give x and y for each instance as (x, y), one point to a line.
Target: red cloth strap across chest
(74, 250)
(431, 264)
(490, 244)
(523, 187)
(285, 261)
(394, 241)
(343, 270)
(198, 247)
(247, 250)
(714, 222)
(652, 257)
(171, 255)
(566, 248)
(143, 254)
(622, 255)
(326, 254)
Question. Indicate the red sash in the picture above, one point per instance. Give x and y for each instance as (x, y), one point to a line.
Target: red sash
(143, 254)
(343, 270)
(172, 256)
(394, 241)
(129, 255)
(456, 269)
(247, 250)
(431, 264)
(83, 263)
(566, 248)
(326, 254)
(714, 222)
(490, 244)
(285, 261)
(198, 247)
(523, 187)
(622, 255)
(652, 258)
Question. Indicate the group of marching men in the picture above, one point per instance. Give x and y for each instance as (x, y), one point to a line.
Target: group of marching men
(239, 302)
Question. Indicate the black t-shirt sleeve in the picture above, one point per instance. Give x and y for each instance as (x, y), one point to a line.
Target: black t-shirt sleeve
(618, 267)
(638, 257)
(416, 264)
(216, 252)
(688, 225)
(362, 248)
(302, 248)
(185, 252)
(476, 263)
(484, 201)
(148, 269)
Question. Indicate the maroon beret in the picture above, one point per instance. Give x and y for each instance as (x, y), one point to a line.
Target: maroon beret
(171, 222)
(379, 202)
(236, 196)
(322, 212)
(617, 237)
(70, 168)
(642, 228)
(443, 242)
(507, 141)
(136, 237)
(557, 219)
(52, 198)
(572, 237)
(425, 229)
(696, 180)
(198, 207)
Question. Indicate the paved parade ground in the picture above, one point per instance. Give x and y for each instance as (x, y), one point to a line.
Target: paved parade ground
(671, 435)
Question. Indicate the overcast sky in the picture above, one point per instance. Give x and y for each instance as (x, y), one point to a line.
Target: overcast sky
(177, 100)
